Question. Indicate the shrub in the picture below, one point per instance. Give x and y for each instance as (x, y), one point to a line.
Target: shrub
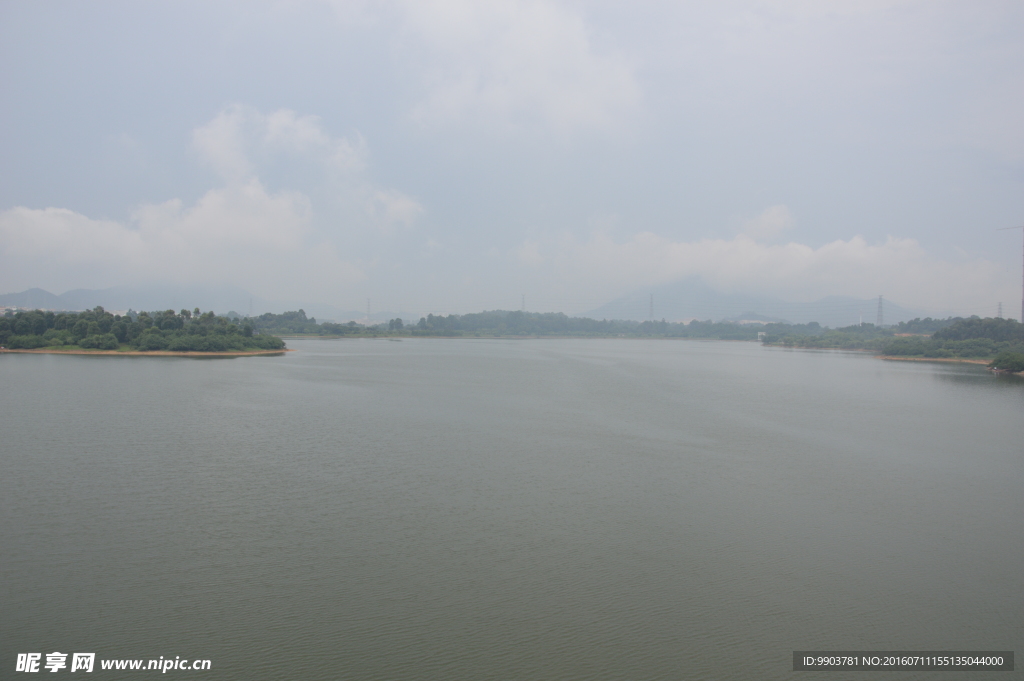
(180, 344)
(152, 341)
(106, 341)
(58, 338)
(1008, 361)
(26, 342)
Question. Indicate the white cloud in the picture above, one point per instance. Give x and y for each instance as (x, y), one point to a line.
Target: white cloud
(221, 144)
(509, 64)
(601, 267)
(62, 237)
(241, 139)
(241, 233)
(393, 209)
(769, 224)
(237, 135)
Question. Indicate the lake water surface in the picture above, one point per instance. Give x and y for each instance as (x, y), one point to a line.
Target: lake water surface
(508, 509)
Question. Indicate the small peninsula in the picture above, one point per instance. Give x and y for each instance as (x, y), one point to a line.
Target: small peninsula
(971, 339)
(98, 331)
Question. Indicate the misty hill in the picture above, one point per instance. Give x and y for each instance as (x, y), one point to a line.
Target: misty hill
(693, 299)
(753, 317)
(134, 297)
(153, 297)
(685, 300)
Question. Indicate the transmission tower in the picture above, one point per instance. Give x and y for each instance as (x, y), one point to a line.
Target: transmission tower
(999, 315)
(878, 323)
(651, 314)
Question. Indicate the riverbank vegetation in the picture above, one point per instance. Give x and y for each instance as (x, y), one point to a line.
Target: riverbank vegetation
(98, 329)
(939, 338)
(517, 323)
(972, 337)
(194, 332)
(1012, 362)
(502, 323)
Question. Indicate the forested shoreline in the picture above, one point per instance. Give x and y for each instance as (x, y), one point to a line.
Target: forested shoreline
(952, 338)
(192, 331)
(97, 329)
(502, 323)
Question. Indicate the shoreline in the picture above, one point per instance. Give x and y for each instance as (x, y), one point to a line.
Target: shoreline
(956, 360)
(146, 353)
(429, 337)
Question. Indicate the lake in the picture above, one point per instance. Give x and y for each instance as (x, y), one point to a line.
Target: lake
(509, 509)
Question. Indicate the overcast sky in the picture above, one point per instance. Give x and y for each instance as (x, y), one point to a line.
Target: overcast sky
(453, 156)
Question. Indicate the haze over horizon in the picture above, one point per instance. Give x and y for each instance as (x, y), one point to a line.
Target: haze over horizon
(453, 155)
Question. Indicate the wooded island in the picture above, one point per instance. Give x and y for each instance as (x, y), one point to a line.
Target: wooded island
(98, 329)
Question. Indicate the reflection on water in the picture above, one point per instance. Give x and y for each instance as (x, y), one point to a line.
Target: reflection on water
(563, 509)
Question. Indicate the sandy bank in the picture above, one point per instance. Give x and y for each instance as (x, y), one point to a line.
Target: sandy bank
(151, 353)
(958, 360)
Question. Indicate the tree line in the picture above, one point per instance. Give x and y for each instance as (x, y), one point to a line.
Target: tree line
(501, 323)
(949, 338)
(144, 331)
(191, 330)
(297, 323)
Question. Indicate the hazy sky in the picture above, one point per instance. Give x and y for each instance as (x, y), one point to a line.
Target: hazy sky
(453, 156)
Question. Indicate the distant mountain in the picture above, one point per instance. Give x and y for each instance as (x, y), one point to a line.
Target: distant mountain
(135, 297)
(750, 317)
(681, 301)
(35, 298)
(221, 300)
(693, 299)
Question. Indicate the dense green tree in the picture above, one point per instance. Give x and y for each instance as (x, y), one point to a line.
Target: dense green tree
(105, 341)
(992, 328)
(1008, 361)
(98, 329)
